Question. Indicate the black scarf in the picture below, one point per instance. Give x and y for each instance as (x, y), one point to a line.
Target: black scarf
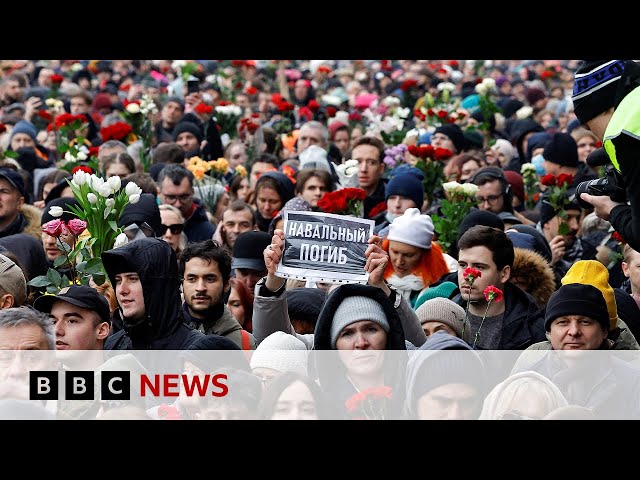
(17, 226)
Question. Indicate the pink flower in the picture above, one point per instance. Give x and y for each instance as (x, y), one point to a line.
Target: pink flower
(77, 226)
(55, 228)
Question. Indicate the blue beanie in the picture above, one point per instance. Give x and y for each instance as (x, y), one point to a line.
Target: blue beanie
(406, 185)
(23, 126)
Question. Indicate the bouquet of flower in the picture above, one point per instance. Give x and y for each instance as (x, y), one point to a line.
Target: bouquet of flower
(348, 201)
(118, 131)
(209, 178)
(101, 204)
(227, 117)
(488, 107)
(434, 112)
(431, 165)
(531, 188)
(370, 404)
(458, 203)
(138, 114)
(556, 195)
(71, 146)
(348, 173)
(395, 155)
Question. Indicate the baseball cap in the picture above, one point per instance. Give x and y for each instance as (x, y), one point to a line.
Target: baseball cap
(12, 280)
(80, 296)
(15, 179)
(247, 251)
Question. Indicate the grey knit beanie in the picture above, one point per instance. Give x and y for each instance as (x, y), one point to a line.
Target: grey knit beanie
(442, 310)
(355, 309)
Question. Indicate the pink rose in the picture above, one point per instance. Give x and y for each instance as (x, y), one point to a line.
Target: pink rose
(53, 228)
(77, 226)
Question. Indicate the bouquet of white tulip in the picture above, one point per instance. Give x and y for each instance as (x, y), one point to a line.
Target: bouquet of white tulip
(348, 173)
(101, 202)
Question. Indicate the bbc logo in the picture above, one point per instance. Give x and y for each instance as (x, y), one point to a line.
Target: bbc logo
(79, 385)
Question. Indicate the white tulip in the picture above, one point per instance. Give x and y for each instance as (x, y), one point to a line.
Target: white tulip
(527, 166)
(92, 198)
(104, 190)
(481, 89)
(68, 157)
(96, 183)
(133, 108)
(110, 203)
(81, 155)
(489, 83)
(351, 171)
(56, 212)
(351, 163)
(135, 198)
(120, 240)
(132, 188)
(114, 183)
(80, 178)
(524, 112)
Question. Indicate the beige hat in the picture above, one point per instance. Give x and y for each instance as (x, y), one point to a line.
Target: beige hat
(12, 280)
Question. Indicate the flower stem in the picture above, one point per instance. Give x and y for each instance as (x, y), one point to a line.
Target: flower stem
(483, 317)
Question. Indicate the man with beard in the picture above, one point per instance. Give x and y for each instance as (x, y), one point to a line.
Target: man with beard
(205, 268)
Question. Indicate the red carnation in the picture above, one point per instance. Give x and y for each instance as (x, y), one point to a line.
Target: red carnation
(57, 79)
(306, 113)
(204, 109)
(276, 98)
(618, 238)
(355, 116)
(430, 112)
(285, 106)
(331, 111)
(492, 293)
(442, 114)
(470, 274)
(419, 115)
(426, 151)
(414, 150)
(223, 103)
(548, 180)
(442, 154)
(93, 151)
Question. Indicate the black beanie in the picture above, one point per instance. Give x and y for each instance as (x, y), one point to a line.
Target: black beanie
(594, 87)
(562, 149)
(480, 217)
(188, 127)
(455, 134)
(63, 202)
(577, 299)
(547, 212)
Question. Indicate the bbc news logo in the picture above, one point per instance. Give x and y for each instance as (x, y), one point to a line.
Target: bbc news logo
(116, 385)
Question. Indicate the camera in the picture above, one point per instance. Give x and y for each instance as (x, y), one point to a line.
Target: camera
(610, 185)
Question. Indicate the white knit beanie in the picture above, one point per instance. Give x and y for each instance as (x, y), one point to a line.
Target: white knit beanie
(442, 310)
(412, 228)
(281, 352)
(314, 157)
(355, 309)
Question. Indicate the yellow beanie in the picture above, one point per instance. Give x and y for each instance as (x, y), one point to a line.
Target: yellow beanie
(594, 273)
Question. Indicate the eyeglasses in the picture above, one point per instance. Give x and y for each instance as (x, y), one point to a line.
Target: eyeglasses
(490, 199)
(176, 228)
(171, 199)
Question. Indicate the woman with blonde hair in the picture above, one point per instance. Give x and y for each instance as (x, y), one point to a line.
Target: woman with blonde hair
(173, 227)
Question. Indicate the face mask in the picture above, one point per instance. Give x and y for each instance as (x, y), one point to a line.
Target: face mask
(538, 162)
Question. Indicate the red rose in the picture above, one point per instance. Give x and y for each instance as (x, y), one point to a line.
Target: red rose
(442, 114)
(354, 193)
(430, 112)
(355, 116)
(442, 154)
(53, 228)
(536, 197)
(548, 180)
(51, 127)
(565, 179)
(65, 119)
(378, 209)
(204, 109)
(286, 106)
(418, 114)
(276, 98)
(82, 168)
(451, 120)
(117, 131)
(306, 113)
(57, 79)
(313, 105)
(492, 293)
(331, 111)
(93, 151)
(237, 63)
(618, 238)
(125, 87)
(414, 150)
(426, 151)
(251, 91)
(408, 84)
(546, 74)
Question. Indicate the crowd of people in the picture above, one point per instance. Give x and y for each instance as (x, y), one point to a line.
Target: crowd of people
(216, 151)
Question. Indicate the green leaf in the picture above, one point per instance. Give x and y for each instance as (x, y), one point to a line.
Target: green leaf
(54, 277)
(113, 225)
(563, 229)
(64, 281)
(65, 248)
(39, 281)
(53, 289)
(94, 265)
(61, 260)
(99, 278)
(80, 267)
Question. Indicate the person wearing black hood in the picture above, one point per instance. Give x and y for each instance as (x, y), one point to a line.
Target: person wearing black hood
(189, 136)
(145, 277)
(273, 190)
(521, 130)
(141, 219)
